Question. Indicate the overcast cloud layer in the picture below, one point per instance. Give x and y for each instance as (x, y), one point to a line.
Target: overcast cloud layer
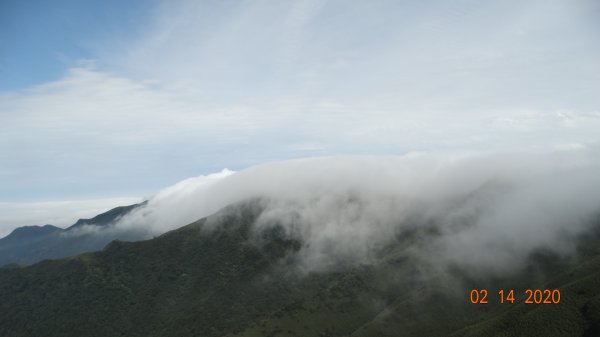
(211, 84)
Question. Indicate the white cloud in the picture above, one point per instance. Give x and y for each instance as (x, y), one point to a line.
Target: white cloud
(225, 73)
(434, 57)
(491, 210)
(176, 205)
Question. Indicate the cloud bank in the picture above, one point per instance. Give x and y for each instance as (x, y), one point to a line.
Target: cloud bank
(488, 211)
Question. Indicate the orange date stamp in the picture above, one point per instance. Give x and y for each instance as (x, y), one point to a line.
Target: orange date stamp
(531, 296)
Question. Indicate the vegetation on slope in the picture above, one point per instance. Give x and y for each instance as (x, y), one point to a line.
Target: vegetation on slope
(220, 277)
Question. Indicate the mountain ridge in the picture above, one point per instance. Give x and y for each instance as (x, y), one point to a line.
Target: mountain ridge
(223, 276)
(108, 217)
(30, 244)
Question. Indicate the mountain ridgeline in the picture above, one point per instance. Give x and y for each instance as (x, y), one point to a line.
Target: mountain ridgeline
(224, 276)
(30, 244)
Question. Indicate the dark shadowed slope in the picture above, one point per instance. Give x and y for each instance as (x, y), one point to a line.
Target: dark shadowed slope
(220, 277)
(108, 217)
(30, 244)
(27, 234)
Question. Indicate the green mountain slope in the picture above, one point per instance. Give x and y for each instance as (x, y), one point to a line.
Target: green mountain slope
(219, 277)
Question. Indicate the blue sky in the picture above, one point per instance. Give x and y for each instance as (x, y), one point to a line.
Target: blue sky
(117, 99)
(41, 39)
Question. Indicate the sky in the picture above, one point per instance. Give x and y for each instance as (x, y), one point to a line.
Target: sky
(115, 100)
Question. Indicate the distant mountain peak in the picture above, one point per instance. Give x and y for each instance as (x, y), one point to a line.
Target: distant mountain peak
(30, 244)
(32, 231)
(107, 217)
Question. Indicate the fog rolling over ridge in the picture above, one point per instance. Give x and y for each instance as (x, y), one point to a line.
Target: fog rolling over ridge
(485, 212)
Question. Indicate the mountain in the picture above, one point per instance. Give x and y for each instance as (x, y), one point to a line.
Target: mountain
(225, 276)
(108, 217)
(27, 234)
(30, 244)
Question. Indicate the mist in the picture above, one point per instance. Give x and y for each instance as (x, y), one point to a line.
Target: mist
(489, 212)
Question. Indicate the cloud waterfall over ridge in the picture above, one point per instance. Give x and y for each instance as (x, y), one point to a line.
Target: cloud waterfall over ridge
(485, 209)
